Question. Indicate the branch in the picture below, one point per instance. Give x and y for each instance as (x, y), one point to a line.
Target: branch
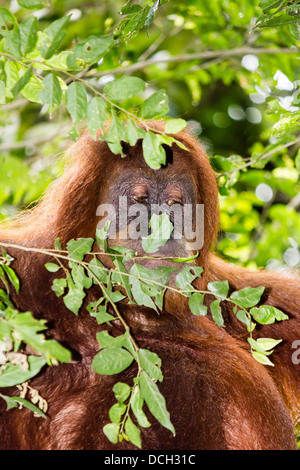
(263, 156)
(29, 142)
(224, 54)
(295, 202)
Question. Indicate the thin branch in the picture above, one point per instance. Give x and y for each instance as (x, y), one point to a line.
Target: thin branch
(263, 156)
(155, 45)
(196, 56)
(29, 142)
(15, 105)
(295, 202)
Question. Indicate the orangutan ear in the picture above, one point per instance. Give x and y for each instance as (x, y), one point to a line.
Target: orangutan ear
(125, 147)
(169, 154)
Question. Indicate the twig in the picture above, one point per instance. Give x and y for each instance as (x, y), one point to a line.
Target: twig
(14, 105)
(29, 143)
(196, 56)
(264, 155)
(295, 202)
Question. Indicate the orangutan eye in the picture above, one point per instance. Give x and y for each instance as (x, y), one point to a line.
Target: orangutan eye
(171, 202)
(140, 198)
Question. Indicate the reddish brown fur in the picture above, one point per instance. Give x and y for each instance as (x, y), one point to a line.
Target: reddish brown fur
(218, 396)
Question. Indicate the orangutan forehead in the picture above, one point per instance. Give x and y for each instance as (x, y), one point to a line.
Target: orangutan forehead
(138, 182)
(143, 179)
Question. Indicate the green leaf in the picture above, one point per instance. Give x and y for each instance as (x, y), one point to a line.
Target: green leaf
(101, 236)
(121, 391)
(133, 433)
(162, 229)
(216, 312)
(98, 271)
(130, 27)
(12, 277)
(257, 347)
(57, 244)
(120, 279)
(267, 314)
(151, 14)
(76, 101)
(52, 349)
(189, 259)
(127, 253)
(74, 134)
(59, 286)
(29, 406)
(116, 133)
(12, 42)
(140, 296)
(196, 304)
(102, 316)
(155, 401)
(77, 249)
(27, 328)
(136, 404)
(124, 88)
(89, 51)
(13, 374)
(111, 361)
(242, 316)
(112, 296)
(12, 76)
(24, 79)
(54, 35)
(268, 343)
(96, 115)
(52, 267)
(268, 4)
(174, 126)
(107, 341)
(26, 324)
(278, 21)
(151, 363)
(186, 276)
(247, 297)
(12, 402)
(7, 21)
(2, 92)
(262, 358)
(28, 34)
(51, 93)
(155, 105)
(285, 125)
(74, 299)
(3, 279)
(5, 330)
(154, 153)
(116, 412)
(80, 278)
(32, 4)
(32, 90)
(134, 133)
(126, 9)
(220, 288)
(159, 299)
(111, 431)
